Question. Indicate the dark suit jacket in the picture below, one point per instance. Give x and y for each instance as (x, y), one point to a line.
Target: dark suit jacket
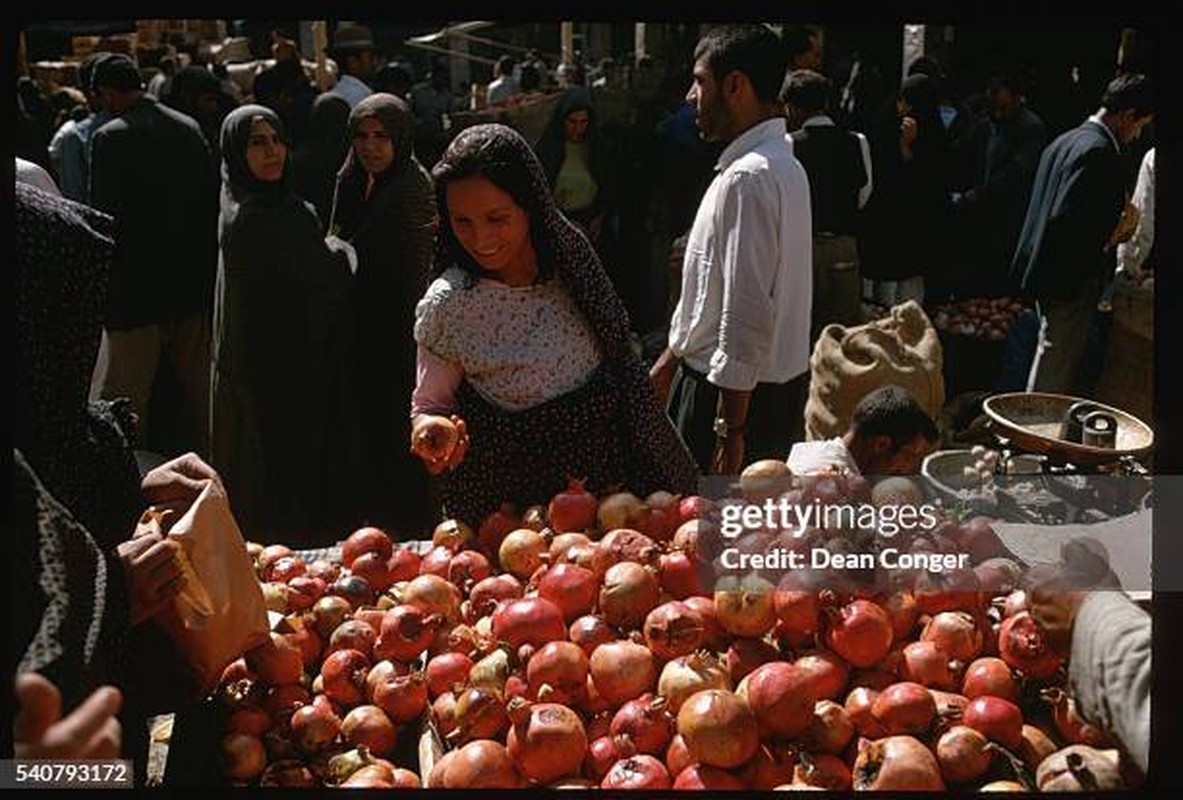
(1075, 203)
(153, 172)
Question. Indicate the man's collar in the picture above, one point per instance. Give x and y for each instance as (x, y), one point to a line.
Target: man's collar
(1097, 118)
(768, 130)
(818, 121)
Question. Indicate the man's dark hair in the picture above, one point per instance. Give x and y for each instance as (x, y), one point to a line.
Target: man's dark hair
(809, 91)
(1129, 92)
(755, 50)
(505, 65)
(118, 72)
(1009, 77)
(529, 78)
(394, 77)
(798, 41)
(891, 411)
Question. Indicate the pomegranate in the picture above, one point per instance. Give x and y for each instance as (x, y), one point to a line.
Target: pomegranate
(485, 595)
(481, 765)
(622, 670)
(1068, 721)
(829, 730)
(561, 666)
(305, 591)
(573, 509)
(858, 707)
(991, 676)
(772, 766)
(677, 757)
(496, 527)
(745, 655)
(572, 588)
(304, 639)
(714, 637)
(637, 772)
(382, 672)
(443, 710)
(744, 605)
(896, 763)
(589, 632)
(955, 590)
(355, 589)
(314, 726)
(686, 675)
(288, 774)
(531, 620)
(822, 771)
(1080, 768)
(546, 740)
(629, 593)
(673, 629)
(480, 714)
(352, 634)
(1037, 746)
(901, 607)
(696, 507)
(601, 755)
(798, 611)
(927, 664)
(680, 575)
(561, 543)
(467, 568)
(956, 633)
(904, 708)
(243, 757)
(699, 776)
(445, 671)
(373, 568)
(406, 633)
(372, 776)
(281, 701)
(344, 675)
(368, 725)
(329, 612)
(1023, 645)
(829, 672)
(962, 754)
(403, 565)
(269, 555)
(534, 518)
(719, 728)
(627, 544)
(276, 661)
(646, 723)
(614, 510)
(1015, 602)
(781, 697)
(860, 632)
(365, 540)
(522, 552)
(698, 538)
(452, 534)
(997, 719)
(323, 569)
(277, 597)
(435, 778)
(403, 698)
(436, 562)
(250, 720)
(434, 595)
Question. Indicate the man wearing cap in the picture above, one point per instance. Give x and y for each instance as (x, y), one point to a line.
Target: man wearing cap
(153, 172)
(69, 151)
(353, 50)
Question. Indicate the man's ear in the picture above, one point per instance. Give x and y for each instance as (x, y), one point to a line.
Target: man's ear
(735, 84)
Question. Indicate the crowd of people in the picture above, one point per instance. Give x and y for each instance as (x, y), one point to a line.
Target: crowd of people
(347, 315)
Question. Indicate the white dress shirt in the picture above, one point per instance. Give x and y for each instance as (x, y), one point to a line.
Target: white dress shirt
(864, 194)
(353, 90)
(828, 455)
(1131, 254)
(747, 276)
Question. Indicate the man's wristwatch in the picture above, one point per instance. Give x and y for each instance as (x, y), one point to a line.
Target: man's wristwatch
(725, 431)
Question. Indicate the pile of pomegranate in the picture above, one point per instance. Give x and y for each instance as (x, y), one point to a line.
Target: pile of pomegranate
(596, 642)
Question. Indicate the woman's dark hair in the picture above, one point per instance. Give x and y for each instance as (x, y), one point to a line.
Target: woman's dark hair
(753, 49)
(489, 158)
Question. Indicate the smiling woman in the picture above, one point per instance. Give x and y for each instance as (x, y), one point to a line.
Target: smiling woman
(523, 347)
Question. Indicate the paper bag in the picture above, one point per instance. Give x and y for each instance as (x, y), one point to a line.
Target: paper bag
(220, 612)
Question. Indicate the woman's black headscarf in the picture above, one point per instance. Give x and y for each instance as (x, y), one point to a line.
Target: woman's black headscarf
(64, 255)
(240, 187)
(552, 145)
(404, 183)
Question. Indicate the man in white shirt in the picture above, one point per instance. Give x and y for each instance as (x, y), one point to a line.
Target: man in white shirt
(838, 163)
(889, 434)
(353, 50)
(504, 85)
(1131, 255)
(736, 371)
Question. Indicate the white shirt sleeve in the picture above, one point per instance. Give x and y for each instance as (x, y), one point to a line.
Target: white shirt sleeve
(747, 219)
(864, 194)
(1131, 254)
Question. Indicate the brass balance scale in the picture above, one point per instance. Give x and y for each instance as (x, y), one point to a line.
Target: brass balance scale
(1055, 453)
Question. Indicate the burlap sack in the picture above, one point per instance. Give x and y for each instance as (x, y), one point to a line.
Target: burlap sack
(847, 363)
